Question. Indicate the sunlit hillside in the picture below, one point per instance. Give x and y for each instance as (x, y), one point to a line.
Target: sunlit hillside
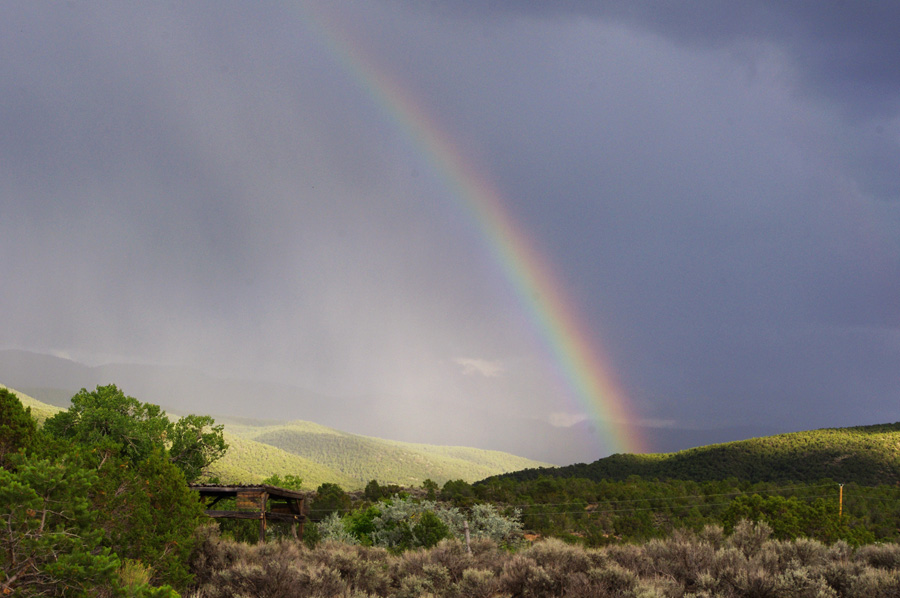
(358, 459)
(318, 454)
(866, 455)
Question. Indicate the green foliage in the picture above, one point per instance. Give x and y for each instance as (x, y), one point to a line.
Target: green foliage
(332, 528)
(18, 429)
(114, 423)
(636, 510)
(459, 492)
(431, 489)
(361, 524)
(330, 498)
(194, 443)
(148, 513)
(402, 523)
(289, 482)
(111, 421)
(49, 543)
(140, 500)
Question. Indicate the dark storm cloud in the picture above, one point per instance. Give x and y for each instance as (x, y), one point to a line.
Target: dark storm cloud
(844, 53)
(848, 50)
(712, 183)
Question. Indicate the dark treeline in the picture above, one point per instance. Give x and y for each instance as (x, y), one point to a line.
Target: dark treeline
(601, 512)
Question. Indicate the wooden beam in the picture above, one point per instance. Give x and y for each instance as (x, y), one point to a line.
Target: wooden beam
(256, 515)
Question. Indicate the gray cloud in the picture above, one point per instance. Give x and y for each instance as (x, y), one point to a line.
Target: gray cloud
(715, 189)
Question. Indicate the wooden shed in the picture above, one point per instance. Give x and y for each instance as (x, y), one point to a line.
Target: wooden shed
(263, 502)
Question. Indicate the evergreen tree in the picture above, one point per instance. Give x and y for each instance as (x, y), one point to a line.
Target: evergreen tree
(17, 428)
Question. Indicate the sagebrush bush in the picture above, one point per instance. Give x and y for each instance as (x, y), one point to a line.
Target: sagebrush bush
(880, 556)
(876, 583)
(749, 537)
(477, 583)
(562, 558)
(613, 580)
(688, 565)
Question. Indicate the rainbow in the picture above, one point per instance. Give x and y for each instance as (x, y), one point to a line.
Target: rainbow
(554, 316)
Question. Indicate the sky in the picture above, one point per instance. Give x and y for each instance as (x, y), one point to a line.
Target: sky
(610, 217)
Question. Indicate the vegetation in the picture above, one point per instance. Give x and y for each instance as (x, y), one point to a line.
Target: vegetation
(113, 423)
(637, 510)
(95, 503)
(865, 455)
(40, 411)
(401, 523)
(747, 562)
(249, 462)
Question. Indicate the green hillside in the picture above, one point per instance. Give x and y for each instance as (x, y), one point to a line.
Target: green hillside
(40, 411)
(318, 454)
(248, 462)
(361, 458)
(866, 455)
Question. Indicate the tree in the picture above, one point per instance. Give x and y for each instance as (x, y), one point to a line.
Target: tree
(195, 443)
(17, 428)
(373, 491)
(431, 489)
(148, 513)
(145, 509)
(289, 481)
(49, 544)
(330, 498)
(114, 423)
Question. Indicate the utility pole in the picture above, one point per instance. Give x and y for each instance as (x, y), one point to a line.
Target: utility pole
(840, 502)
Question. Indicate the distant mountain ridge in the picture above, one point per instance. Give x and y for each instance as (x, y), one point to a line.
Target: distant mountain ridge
(320, 454)
(866, 455)
(182, 390)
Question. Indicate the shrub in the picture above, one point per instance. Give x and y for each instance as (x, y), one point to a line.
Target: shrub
(478, 583)
(523, 577)
(800, 582)
(403, 524)
(333, 529)
(876, 583)
(613, 580)
(880, 556)
(748, 536)
(562, 558)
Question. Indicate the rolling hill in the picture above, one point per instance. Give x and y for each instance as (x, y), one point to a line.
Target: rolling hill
(361, 458)
(319, 454)
(866, 455)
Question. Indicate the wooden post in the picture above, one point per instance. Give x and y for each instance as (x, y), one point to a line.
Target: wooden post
(841, 502)
(263, 500)
(466, 529)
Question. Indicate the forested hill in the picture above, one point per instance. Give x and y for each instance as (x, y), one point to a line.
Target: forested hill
(866, 455)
